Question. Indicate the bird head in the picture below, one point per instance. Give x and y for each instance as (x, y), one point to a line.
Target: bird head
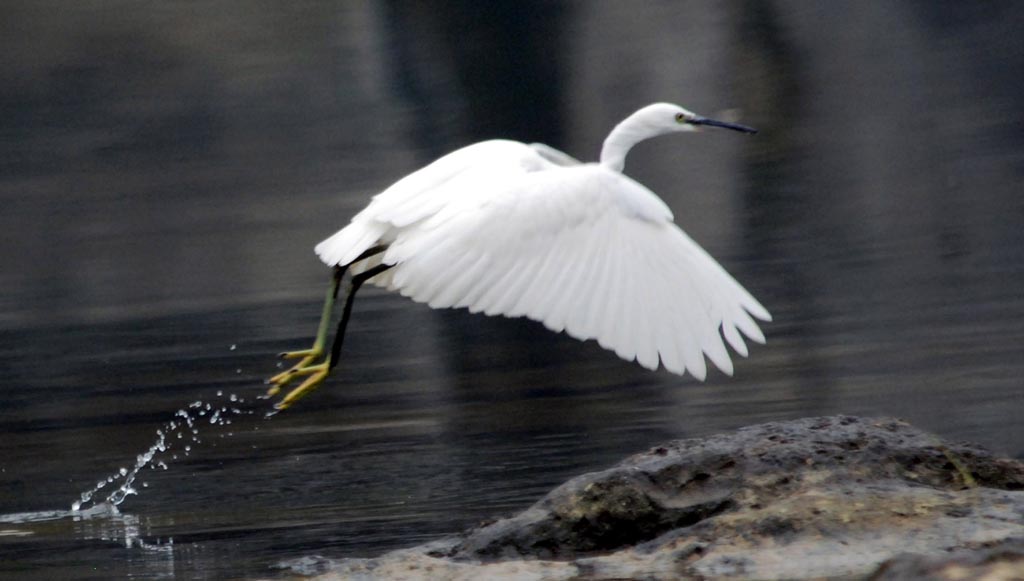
(652, 121)
(671, 118)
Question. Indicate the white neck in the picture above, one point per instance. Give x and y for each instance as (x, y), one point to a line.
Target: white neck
(644, 124)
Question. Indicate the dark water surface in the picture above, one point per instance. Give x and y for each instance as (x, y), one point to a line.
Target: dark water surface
(166, 169)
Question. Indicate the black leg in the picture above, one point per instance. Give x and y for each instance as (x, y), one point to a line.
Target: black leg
(318, 372)
(308, 356)
(369, 252)
(357, 281)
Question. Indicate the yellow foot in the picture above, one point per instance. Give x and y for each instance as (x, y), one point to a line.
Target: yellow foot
(284, 378)
(317, 374)
(301, 353)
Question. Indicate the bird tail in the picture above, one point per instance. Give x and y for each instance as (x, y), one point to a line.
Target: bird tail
(347, 244)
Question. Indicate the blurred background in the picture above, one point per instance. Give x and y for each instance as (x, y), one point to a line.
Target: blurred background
(166, 168)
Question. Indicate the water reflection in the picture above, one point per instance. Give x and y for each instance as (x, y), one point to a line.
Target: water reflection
(165, 173)
(147, 558)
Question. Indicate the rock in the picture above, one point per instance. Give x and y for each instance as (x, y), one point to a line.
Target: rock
(1003, 561)
(810, 498)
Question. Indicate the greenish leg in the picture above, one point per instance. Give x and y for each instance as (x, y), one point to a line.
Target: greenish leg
(319, 372)
(309, 355)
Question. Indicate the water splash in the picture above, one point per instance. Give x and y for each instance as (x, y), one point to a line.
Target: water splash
(118, 496)
(181, 432)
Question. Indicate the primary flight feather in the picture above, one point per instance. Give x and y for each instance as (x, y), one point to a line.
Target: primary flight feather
(505, 228)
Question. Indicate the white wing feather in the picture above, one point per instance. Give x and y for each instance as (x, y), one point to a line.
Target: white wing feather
(457, 181)
(581, 249)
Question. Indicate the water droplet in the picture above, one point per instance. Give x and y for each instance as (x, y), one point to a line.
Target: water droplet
(233, 346)
(220, 393)
(233, 397)
(75, 506)
(238, 371)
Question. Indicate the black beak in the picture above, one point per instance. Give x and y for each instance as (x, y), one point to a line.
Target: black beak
(717, 123)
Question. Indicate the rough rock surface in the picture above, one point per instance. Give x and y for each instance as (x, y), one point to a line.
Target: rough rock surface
(998, 562)
(831, 497)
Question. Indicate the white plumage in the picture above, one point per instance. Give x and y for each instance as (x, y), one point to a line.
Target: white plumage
(506, 228)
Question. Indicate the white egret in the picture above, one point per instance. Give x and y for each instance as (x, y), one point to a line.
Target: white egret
(506, 228)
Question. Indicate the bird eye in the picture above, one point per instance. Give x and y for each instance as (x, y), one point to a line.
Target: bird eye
(680, 118)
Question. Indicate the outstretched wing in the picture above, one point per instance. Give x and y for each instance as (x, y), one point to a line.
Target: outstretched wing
(584, 250)
(463, 178)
